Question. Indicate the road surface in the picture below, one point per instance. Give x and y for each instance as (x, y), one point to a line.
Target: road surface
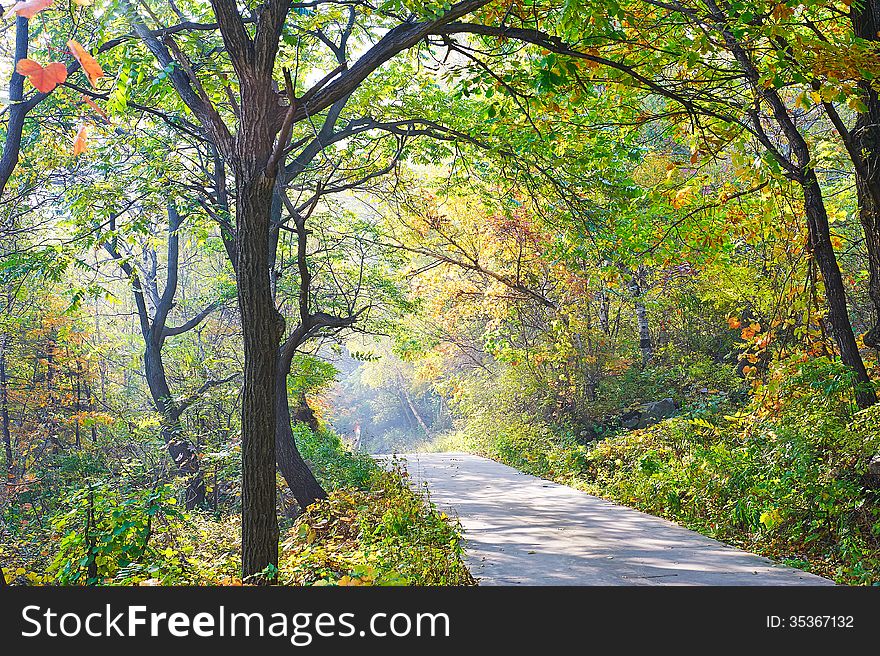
(523, 530)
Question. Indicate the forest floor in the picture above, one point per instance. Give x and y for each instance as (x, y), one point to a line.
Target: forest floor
(524, 530)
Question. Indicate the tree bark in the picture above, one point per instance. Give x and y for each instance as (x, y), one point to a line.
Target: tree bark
(302, 482)
(604, 322)
(180, 449)
(17, 110)
(835, 293)
(637, 290)
(646, 345)
(262, 327)
(865, 19)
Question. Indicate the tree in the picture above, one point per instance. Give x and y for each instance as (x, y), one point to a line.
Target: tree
(255, 151)
(153, 308)
(712, 99)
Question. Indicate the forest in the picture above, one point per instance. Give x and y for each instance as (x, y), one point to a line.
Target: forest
(630, 246)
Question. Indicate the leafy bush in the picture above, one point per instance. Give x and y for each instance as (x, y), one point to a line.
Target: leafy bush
(784, 488)
(388, 535)
(111, 537)
(332, 463)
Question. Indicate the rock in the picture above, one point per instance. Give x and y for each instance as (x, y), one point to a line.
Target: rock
(874, 468)
(648, 414)
(631, 419)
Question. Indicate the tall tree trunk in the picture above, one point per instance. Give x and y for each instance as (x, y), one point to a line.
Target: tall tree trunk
(179, 448)
(411, 405)
(604, 322)
(262, 327)
(869, 216)
(77, 386)
(835, 293)
(48, 418)
(865, 135)
(17, 110)
(801, 167)
(646, 344)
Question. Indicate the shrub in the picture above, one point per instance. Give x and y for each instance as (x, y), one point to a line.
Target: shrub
(332, 463)
(388, 535)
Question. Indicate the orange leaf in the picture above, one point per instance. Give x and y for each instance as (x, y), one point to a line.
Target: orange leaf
(29, 8)
(91, 67)
(782, 11)
(749, 332)
(45, 78)
(80, 142)
(91, 103)
(733, 322)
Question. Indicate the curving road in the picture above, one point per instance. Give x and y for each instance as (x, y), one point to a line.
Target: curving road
(523, 530)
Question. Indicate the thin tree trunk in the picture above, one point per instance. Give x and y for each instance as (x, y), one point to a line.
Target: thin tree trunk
(801, 167)
(302, 482)
(835, 293)
(17, 111)
(77, 403)
(153, 332)
(604, 322)
(179, 448)
(412, 407)
(48, 419)
(646, 345)
(637, 289)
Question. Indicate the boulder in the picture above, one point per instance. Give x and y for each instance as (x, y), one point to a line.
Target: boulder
(648, 414)
(874, 468)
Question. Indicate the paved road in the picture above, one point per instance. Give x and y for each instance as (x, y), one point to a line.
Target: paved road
(522, 530)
